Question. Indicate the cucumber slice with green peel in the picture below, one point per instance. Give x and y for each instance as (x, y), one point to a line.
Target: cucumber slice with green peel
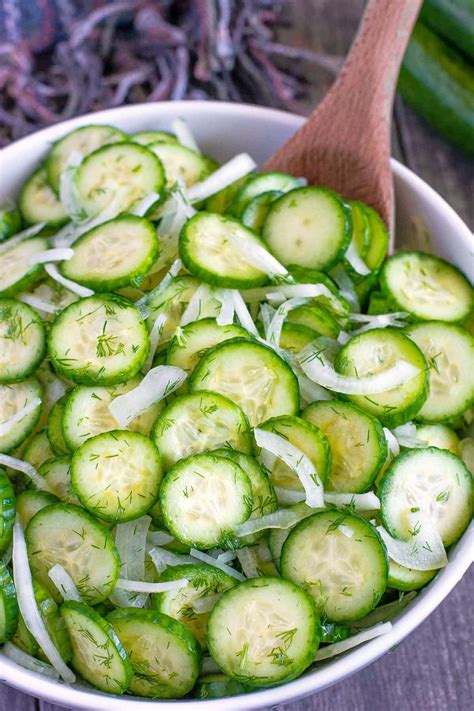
(449, 351)
(378, 240)
(439, 436)
(254, 214)
(127, 170)
(22, 341)
(361, 232)
(8, 605)
(13, 399)
(221, 202)
(378, 304)
(69, 535)
(114, 254)
(100, 340)
(84, 140)
(213, 248)
(164, 654)
(263, 494)
(10, 221)
(55, 429)
(406, 579)
(180, 163)
(203, 498)
(57, 474)
(24, 640)
(294, 337)
(338, 307)
(172, 301)
(39, 203)
(317, 220)
(218, 686)
(357, 442)
(427, 287)
(432, 480)
(204, 581)
(265, 631)
(117, 475)
(199, 422)
(307, 438)
(250, 374)
(315, 318)
(29, 502)
(194, 339)
(277, 536)
(375, 351)
(16, 271)
(7, 511)
(331, 633)
(147, 137)
(86, 413)
(97, 653)
(340, 560)
(262, 183)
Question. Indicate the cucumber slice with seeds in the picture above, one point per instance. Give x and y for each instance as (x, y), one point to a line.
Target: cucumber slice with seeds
(264, 631)
(99, 340)
(69, 535)
(206, 246)
(345, 575)
(39, 203)
(197, 422)
(357, 442)
(378, 240)
(294, 337)
(55, 428)
(439, 436)
(116, 475)
(115, 254)
(16, 270)
(181, 163)
(147, 137)
(172, 300)
(165, 656)
(57, 473)
(317, 220)
(22, 341)
(406, 579)
(203, 498)
(315, 318)
(262, 183)
(97, 653)
(13, 398)
(31, 501)
(7, 511)
(8, 605)
(250, 374)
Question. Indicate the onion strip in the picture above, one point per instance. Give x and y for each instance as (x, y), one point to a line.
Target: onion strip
(332, 650)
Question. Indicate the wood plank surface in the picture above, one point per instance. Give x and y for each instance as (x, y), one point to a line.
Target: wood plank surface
(432, 669)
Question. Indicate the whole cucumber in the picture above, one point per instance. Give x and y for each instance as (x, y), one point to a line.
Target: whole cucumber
(439, 84)
(453, 20)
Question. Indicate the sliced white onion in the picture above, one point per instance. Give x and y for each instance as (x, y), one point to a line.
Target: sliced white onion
(384, 613)
(162, 558)
(392, 442)
(243, 314)
(226, 557)
(54, 273)
(25, 660)
(130, 541)
(297, 461)
(263, 552)
(332, 650)
(248, 562)
(26, 410)
(205, 603)
(346, 531)
(67, 188)
(309, 390)
(21, 236)
(284, 518)
(29, 608)
(39, 304)
(226, 313)
(354, 259)
(359, 502)
(346, 286)
(273, 333)
(183, 133)
(64, 583)
(256, 255)
(142, 304)
(194, 308)
(424, 551)
(159, 538)
(155, 338)
(157, 384)
(53, 391)
(289, 496)
(60, 254)
(145, 587)
(406, 436)
(217, 564)
(229, 173)
(141, 208)
(25, 468)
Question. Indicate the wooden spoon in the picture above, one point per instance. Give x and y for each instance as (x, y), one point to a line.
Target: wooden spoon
(345, 143)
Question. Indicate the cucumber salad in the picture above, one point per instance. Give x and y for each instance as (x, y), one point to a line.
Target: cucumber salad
(235, 435)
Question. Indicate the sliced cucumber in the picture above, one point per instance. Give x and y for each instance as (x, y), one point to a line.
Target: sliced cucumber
(406, 579)
(8, 605)
(254, 214)
(433, 480)
(340, 560)
(277, 536)
(99, 340)
(361, 232)
(331, 632)
(16, 270)
(116, 475)
(7, 511)
(68, 535)
(262, 183)
(13, 398)
(375, 351)
(55, 428)
(84, 140)
(29, 502)
(207, 246)
(115, 254)
(127, 170)
(57, 474)
(203, 581)
(10, 220)
(185, 349)
(336, 304)
(309, 439)
(39, 203)
(218, 686)
(319, 225)
(199, 422)
(172, 300)
(221, 202)
(97, 653)
(203, 498)
(181, 163)
(357, 442)
(250, 374)
(165, 656)
(22, 341)
(147, 137)
(427, 287)
(378, 240)
(439, 436)
(264, 631)
(86, 413)
(316, 318)
(449, 351)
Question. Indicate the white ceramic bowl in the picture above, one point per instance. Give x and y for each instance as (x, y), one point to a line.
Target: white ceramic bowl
(222, 130)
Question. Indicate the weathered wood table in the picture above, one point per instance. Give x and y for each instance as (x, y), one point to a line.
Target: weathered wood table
(432, 669)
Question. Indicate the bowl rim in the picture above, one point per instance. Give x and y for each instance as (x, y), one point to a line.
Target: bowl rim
(354, 660)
